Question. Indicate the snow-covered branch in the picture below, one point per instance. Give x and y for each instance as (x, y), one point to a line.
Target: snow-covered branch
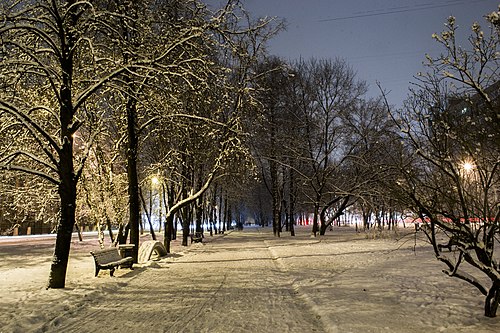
(30, 171)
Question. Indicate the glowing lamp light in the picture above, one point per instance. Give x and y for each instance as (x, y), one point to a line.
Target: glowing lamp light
(467, 166)
(155, 180)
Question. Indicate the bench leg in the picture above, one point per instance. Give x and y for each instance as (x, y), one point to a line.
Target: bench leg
(97, 269)
(111, 271)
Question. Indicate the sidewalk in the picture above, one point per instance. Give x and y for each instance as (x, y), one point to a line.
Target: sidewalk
(230, 283)
(250, 281)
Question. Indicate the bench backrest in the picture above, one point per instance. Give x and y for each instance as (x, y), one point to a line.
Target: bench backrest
(107, 255)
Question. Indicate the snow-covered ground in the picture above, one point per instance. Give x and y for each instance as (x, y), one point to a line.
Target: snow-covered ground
(245, 281)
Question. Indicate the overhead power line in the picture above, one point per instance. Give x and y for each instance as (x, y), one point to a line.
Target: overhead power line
(405, 9)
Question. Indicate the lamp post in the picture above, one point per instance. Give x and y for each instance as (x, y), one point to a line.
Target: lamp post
(470, 189)
(154, 183)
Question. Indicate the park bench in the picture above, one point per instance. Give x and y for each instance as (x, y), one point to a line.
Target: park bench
(109, 259)
(197, 237)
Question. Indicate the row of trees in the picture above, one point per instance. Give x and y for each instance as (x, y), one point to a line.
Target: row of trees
(97, 95)
(437, 158)
(172, 91)
(320, 143)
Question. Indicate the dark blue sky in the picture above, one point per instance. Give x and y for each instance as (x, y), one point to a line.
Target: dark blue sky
(383, 40)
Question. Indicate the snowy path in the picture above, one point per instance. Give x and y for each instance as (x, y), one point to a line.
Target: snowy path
(252, 282)
(232, 285)
(219, 286)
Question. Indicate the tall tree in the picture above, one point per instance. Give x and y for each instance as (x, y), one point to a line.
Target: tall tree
(59, 60)
(51, 74)
(199, 130)
(451, 176)
(329, 89)
(269, 132)
(140, 45)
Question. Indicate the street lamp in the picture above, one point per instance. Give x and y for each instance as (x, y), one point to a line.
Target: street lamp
(467, 166)
(155, 181)
(466, 169)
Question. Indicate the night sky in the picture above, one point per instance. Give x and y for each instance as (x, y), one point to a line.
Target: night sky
(383, 40)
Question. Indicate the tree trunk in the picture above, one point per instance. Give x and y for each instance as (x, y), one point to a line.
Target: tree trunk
(322, 229)
(169, 219)
(133, 180)
(220, 216)
(198, 216)
(186, 222)
(79, 232)
(366, 212)
(273, 168)
(161, 194)
(121, 237)
(175, 228)
(213, 211)
(110, 231)
(224, 221)
(315, 219)
(198, 207)
(292, 198)
(129, 34)
(67, 193)
(229, 215)
(68, 180)
(148, 213)
(169, 225)
(492, 301)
